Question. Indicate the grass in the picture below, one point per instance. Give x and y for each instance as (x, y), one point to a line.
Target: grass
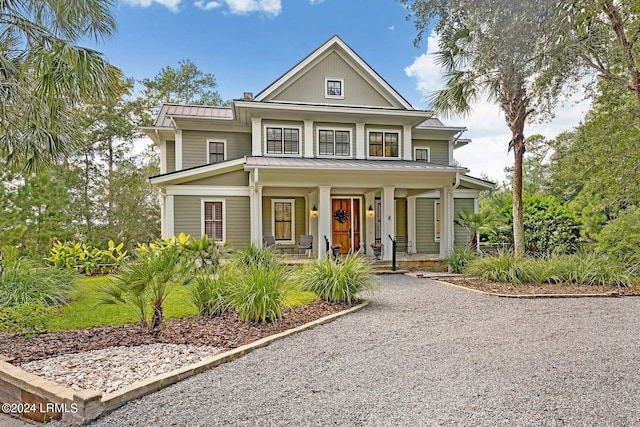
(85, 312)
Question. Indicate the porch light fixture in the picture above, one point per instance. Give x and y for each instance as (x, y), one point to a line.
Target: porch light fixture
(370, 211)
(314, 212)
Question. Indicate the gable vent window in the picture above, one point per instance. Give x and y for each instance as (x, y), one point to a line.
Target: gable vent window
(334, 88)
(283, 140)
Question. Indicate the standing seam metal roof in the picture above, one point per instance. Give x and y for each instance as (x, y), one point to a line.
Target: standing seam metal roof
(195, 111)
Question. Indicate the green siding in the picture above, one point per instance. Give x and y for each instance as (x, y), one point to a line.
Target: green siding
(188, 218)
(236, 178)
(425, 243)
(438, 150)
(171, 156)
(194, 146)
(461, 236)
(401, 217)
(300, 216)
(310, 87)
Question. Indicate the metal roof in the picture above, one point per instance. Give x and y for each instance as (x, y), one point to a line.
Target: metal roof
(346, 164)
(196, 111)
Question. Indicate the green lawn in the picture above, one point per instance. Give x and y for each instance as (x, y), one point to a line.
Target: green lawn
(85, 312)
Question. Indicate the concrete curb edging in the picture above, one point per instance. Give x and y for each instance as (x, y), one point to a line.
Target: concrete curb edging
(18, 386)
(531, 296)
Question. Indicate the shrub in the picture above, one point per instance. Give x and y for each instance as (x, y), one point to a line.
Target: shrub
(86, 258)
(24, 282)
(499, 268)
(145, 283)
(27, 319)
(205, 254)
(620, 238)
(211, 294)
(459, 257)
(257, 256)
(338, 282)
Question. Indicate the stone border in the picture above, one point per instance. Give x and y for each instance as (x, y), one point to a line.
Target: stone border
(612, 294)
(45, 400)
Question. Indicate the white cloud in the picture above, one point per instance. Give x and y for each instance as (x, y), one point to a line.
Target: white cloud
(487, 154)
(243, 7)
(393, 27)
(208, 5)
(172, 5)
(314, 2)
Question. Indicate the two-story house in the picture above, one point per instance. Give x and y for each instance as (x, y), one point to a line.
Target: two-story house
(329, 149)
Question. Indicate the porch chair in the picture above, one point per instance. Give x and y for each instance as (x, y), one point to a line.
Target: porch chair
(269, 242)
(305, 243)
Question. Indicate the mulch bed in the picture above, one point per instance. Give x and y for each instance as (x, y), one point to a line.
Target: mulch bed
(544, 289)
(226, 331)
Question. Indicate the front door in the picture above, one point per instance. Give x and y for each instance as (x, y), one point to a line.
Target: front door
(346, 224)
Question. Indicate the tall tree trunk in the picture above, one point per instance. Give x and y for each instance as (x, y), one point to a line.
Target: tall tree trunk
(110, 192)
(518, 211)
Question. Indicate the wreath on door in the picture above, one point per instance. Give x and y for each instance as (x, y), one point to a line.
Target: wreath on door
(341, 216)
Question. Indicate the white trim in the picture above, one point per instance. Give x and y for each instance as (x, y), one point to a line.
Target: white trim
(407, 142)
(293, 219)
(334, 129)
(361, 144)
(163, 156)
(202, 190)
(308, 138)
(178, 148)
(326, 88)
(282, 127)
(208, 153)
(224, 217)
(256, 133)
(169, 217)
(457, 194)
(383, 131)
(436, 238)
(415, 153)
(204, 171)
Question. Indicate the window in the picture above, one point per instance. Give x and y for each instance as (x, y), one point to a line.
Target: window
(421, 154)
(283, 219)
(216, 151)
(334, 88)
(213, 220)
(437, 219)
(283, 140)
(383, 144)
(334, 142)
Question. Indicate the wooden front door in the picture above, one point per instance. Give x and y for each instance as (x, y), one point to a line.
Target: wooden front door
(346, 224)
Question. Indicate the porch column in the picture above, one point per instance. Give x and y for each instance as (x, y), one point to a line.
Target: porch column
(370, 222)
(324, 218)
(308, 138)
(411, 222)
(256, 136)
(163, 214)
(169, 211)
(388, 221)
(258, 214)
(446, 222)
(312, 200)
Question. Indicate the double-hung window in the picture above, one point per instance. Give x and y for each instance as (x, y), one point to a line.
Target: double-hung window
(216, 151)
(213, 220)
(282, 140)
(283, 219)
(383, 144)
(422, 154)
(333, 142)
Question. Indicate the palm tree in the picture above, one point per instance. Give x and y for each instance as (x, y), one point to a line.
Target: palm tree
(494, 49)
(44, 74)
(475, 223)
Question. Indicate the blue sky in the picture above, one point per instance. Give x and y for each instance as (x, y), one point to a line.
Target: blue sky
(247, 44)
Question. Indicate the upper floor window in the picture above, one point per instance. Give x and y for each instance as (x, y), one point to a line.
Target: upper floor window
(283, 140)
(383, 144)
(421, 154)
(216, 151)
(334, 88)
(333, 142)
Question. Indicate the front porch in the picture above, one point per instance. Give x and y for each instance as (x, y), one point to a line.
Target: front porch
(413, 262)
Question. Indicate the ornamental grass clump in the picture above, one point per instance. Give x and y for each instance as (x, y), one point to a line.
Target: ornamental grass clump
(211, 294)
(338, 282)
(499, 268)
(259, 282)
(459, 257)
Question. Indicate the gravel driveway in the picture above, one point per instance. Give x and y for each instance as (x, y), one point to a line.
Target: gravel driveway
(426, 354)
